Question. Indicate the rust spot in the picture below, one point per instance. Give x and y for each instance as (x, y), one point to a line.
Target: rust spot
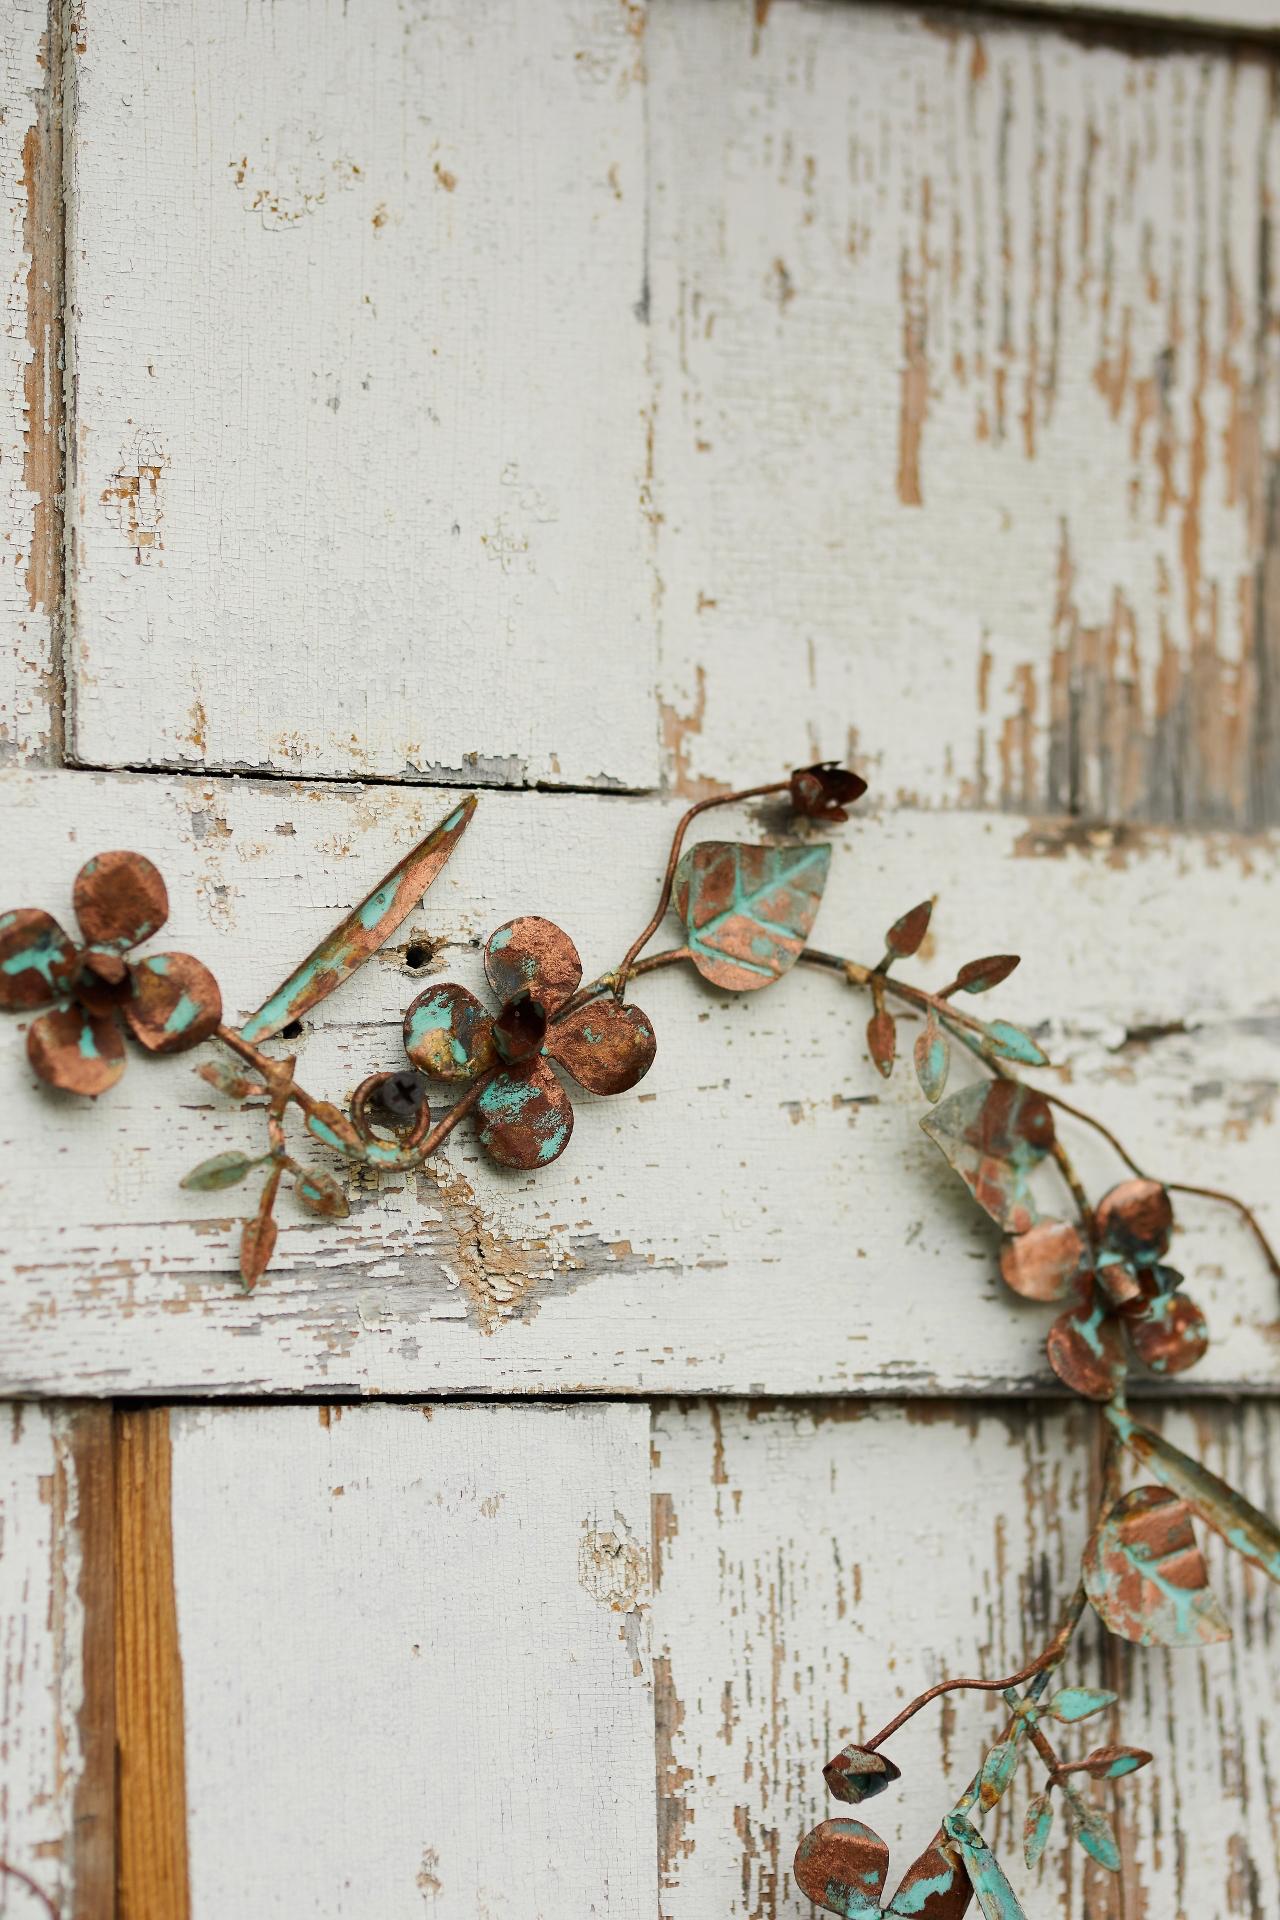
(676, 729)
(675, 1815)
(444, 179)
(915, 387)
(664, 1526)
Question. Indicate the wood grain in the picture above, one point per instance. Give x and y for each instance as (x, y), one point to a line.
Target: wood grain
(91, 1432)
(824, 1562)
(791, 1229)
(415, 1647)
(152, 1805)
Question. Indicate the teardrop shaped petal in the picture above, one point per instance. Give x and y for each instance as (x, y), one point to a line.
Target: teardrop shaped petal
(176, 1003)
(934, 1887)
(607, 1048)
(1043, 1263)
(856, 1773)
(1037, 1828)
(76, 1050)
(448, 1034)
(37, 959)
(932, 1059)
(1135, 1220)
(524, 1117)
(120, 899)
(1169, 1334)
(882, 1040)
(841, 1866)
(534, 953)
(1086, 1351)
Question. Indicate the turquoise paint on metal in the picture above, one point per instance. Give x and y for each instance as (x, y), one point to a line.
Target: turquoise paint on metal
(748, 910)
(1252, 1534)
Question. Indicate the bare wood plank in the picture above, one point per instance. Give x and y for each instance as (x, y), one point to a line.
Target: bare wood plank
(360, 446)
(823, 1563)
(966, 409)
(152, 1807)
(31, 381)
(90, 1428)
(436, 1676)
(792, 1229)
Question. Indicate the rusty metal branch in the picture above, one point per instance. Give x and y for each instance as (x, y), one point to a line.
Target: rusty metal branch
(31, 1885)
(664, 898)
(607, 982)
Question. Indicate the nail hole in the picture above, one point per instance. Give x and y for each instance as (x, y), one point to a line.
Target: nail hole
(293, 1031)
(417, 955)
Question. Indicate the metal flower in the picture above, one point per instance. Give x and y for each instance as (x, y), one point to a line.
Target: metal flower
(1128, 1296)
(168, 1001)
(524, 1116)
(823, 792)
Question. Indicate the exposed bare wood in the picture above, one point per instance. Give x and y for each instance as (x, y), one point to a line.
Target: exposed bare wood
(152, 1802)
(90, 1429)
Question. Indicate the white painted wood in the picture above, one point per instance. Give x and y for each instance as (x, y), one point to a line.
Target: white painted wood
(41, 1623)
(361, 437)
(27, 368)
(965, 398)
(762, 1213)
(415, 1661)
(817, 1566)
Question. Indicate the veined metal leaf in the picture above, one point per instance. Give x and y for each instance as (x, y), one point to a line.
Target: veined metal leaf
(995, 1896)
(748, 910)
(1146, 1577)
(1252, 1534)
(1091, 1827)
(364, 929)
(223, 1170)
(994, 1134)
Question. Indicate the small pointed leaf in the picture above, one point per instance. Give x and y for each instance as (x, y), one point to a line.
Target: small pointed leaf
(1070, 1704)
(979, 976)
(321, 1192)
(1091, 1827)
(222, 1075)
(1011, 1043)
(882, 1040)
(904, 936)
(932, 1059)
(998, 1769)
(1107, 1763)
(223, 1170)
(257, 1244)
(1036, 1831)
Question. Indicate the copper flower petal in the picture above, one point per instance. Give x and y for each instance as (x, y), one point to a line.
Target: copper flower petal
(532, 953)
(76, 1050)
(1086, 1351)
(37, 959)
(1170, 1334)
(934, 1887)
(841, 1866)
(1135, 1219)
(120, 899)
(1044, 1263)
(606, 1048)
(524, 1117)
(175, 1005)
(448, 1034)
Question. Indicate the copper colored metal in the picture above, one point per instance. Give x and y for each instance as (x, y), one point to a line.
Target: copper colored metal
(882, 1040)
(934, 1887)
(524, 1117)
(994, 1136)
(1086, 1352)
(841, 1866)
(1119, 1283)
(1045, 1262)
(904, 936)
(606, 1047)
(520, 1029)
(37, 960)
(1105, 1763)
(1146, 1576)
(75, 1050)
(857, 1773)
(748, 910)
(174, 1005)
(364, 929)
(120, 900)
(1169, 1334)
(1136, 1219)
(448, 1034)
(1252, 1534)
(397, 1100)
(824, 791)
(979, 976)
(535, 955)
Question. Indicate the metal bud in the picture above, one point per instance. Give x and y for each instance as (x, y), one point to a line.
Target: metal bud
(856, 1773)
(823, 792)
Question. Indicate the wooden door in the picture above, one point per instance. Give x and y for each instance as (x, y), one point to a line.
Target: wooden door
(600, 408)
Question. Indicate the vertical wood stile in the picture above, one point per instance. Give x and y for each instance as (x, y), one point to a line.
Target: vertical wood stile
(94, 1838)
(151, 1769)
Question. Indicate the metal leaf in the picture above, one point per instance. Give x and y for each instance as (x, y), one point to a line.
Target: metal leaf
(932, 1060)
(934, 1887)
(120, 900)
(748, 910)
(363, 930)
(448, 1034)
(1070, 1704)
(998, 1769)
(841, 1866)
(257, 1244)
(855, 1774)
(1091, 1827)
(1146, 1576)
(1086, 1351)
(1135, 1220)
(223, 1170)
(1168, 1332)
(904, 936)
(1251, 1533)
(331, 1126)
(524, 1117)
(533, 954)
(75, 1050)
(176, 1003)
(1011, 1043)
(882, 1040)
(1045, 1262)
(606, 1047)
(227, 1079)
(979, 976)
(321, 1192)
(995, 1896)
(994, 1134)
(38, 960)
(1037, 1828)
(1107, 1763)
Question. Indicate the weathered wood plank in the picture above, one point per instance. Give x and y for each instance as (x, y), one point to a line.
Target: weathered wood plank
(360, 432)
(47, 1593)
(762, 1211)
(433, 1690)
(966, 409)
(31, 388)
(817, 1566)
